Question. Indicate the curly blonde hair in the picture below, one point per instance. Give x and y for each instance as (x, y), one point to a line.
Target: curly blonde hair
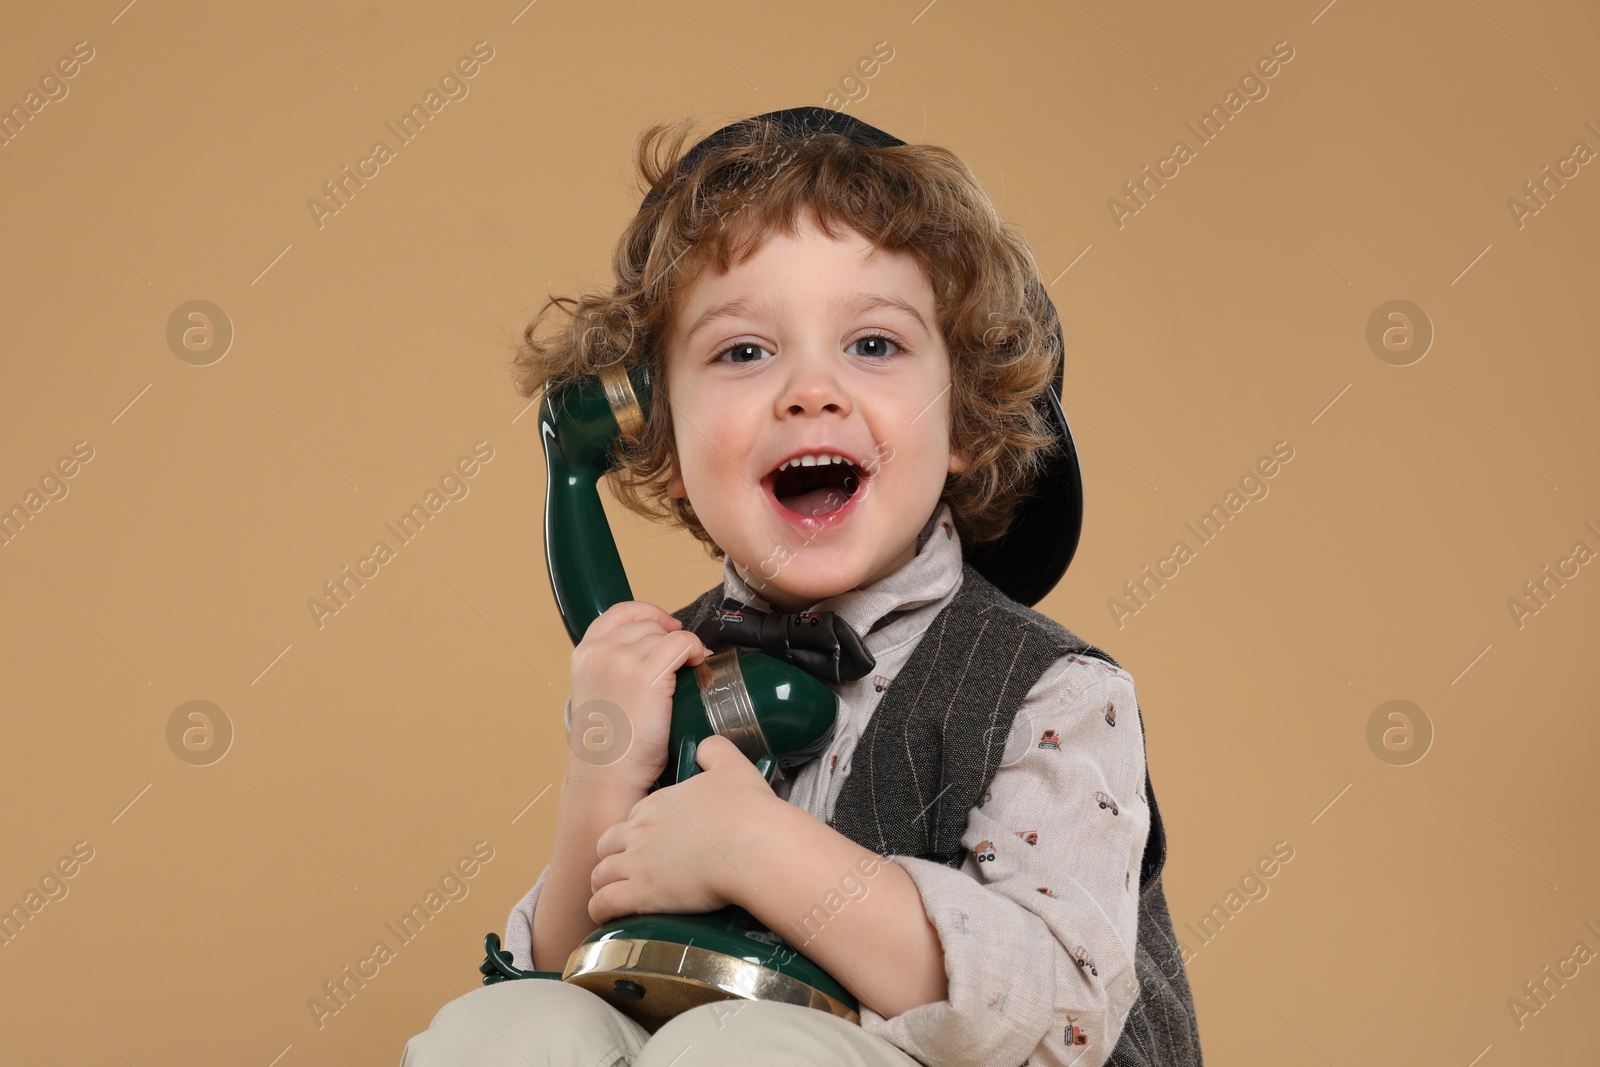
(1000, 332)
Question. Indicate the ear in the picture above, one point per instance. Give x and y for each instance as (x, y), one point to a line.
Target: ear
(958, 460)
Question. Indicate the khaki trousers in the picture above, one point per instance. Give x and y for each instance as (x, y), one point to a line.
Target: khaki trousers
(539, 1021)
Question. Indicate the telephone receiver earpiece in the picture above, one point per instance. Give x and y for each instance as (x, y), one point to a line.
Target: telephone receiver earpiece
(581, 423)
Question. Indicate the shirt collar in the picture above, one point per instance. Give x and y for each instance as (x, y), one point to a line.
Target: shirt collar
(929, 576)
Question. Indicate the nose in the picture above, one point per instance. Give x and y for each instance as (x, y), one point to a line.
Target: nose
(813, 382)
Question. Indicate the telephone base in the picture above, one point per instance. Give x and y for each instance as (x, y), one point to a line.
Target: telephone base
(652, 981)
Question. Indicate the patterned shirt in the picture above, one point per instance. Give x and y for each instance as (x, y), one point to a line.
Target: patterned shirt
(1038, 924)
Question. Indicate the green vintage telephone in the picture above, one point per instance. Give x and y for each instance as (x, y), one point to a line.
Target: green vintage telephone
(652, 967)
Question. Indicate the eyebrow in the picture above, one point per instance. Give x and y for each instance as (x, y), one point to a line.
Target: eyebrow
(860, 303)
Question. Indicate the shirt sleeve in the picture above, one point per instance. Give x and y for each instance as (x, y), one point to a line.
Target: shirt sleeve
(519, 926)
(1038, 925)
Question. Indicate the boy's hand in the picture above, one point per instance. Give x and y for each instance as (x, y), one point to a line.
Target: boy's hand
(678, 851)
(624, 673)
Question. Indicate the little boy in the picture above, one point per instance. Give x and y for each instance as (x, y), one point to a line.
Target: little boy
(856, 407)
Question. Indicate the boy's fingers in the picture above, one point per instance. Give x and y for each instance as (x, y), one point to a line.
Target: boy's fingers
(628, 629)
(713, 749)
(629, 635)
(604, 646)
(626, 611)
(672, 652)
(645, 647)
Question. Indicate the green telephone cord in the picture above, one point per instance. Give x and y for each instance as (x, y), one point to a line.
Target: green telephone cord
(496, 966)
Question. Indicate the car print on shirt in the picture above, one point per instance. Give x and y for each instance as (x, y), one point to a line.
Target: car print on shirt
(1029, 836)
(949, 530)
(1080, 956)
(1111, 715)
(1046, 890)
(879, 683)
(1106, 802)
(1072, 1035)
(1050, 739)
(984, 852)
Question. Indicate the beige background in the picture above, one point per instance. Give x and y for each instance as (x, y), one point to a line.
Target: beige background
(1229, 314)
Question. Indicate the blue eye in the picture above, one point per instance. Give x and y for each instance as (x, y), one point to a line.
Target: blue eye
(738, 348)
(744, 347)
(877, 338)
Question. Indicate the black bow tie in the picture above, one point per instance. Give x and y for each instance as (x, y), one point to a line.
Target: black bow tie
(818, 642)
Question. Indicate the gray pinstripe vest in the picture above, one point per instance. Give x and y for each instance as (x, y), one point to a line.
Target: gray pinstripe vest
(897, 808)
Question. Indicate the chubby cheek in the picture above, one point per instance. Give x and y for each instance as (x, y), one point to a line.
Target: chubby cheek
(704, 467)
(915, 445)
(711, 483)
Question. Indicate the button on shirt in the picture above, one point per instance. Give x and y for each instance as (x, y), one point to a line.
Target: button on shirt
(1038, 924)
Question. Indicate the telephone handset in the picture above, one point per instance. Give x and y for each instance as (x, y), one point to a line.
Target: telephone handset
(653, 967)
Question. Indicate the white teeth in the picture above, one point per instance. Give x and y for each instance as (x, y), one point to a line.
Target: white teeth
(821, 458)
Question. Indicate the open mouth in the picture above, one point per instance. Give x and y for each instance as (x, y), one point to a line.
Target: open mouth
(818, 490)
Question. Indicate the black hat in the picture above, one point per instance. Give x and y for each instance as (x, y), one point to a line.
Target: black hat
(1030, 559)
